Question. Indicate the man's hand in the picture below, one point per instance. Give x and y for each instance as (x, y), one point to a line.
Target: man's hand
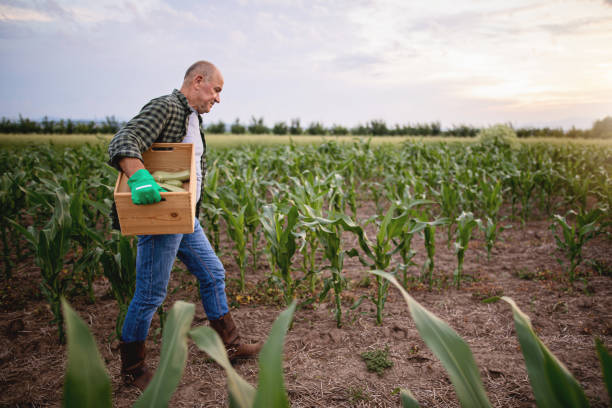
(144, 188)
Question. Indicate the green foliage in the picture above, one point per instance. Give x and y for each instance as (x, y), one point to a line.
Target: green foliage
(454, 354)
(408, 400)
(602, 129)
(216, 128)
(498, 136)
(377, 360)
(338, 130)
(465, 226)
(571, 240)
(257, 126)
(271, 388)
(295, 128)
(237, 128)
(552, 383)
(606, 365)
(316, 128)
(86, 383)
(118, 259)
(280, 128)
(173, 356)
(279, 230)
(50, 246)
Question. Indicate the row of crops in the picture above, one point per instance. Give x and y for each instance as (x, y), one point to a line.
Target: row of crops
(302, 210)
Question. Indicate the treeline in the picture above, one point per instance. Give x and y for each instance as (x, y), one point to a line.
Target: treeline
(61, 126)
(602, 129)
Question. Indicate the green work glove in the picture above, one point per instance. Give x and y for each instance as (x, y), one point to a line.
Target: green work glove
(145, 189)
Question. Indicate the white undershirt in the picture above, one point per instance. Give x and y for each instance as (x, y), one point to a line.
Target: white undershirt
(194, 136)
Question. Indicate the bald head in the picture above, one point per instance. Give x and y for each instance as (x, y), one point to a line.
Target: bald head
(202, 84)
(204, 68)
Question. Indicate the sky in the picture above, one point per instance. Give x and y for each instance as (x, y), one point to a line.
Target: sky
(347, 62)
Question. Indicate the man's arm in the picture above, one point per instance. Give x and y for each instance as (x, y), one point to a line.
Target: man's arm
(130, 165)
(138, 134)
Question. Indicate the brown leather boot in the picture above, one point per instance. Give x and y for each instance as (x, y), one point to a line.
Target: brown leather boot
(134, 370)
(236, 350)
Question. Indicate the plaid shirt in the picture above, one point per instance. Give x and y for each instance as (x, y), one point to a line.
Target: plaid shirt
(162, 120)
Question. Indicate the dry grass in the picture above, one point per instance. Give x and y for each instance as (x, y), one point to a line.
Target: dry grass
(231, 140)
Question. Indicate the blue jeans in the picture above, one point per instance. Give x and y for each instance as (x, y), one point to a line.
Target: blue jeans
(154, 260)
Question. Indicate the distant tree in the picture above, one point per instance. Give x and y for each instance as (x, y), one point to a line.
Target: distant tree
(338, 130)
(257, 126)
(237, 128)
(361, 130)
(280, 128)
(574, 133)
(216, 128)
(110, 125)
(602, 129)
(27, 126)
(295, 128)
(436, 128)
(316, 128)
(463, 131)
(378, 128)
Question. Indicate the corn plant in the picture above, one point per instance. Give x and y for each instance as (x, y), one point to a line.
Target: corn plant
(86, 383)
(50, 246)
(118, 259)
(12, 200)
(380, 252)
(465, 226)
(454, 354)
(270, 391)
(449, 200)
(428, 229)
(552, 384)
(308, 193)
(279, 226)
(329, 233)
(491, 197)
(210, 203)
(491, 230)
(245, 188)
(236, 229)
(587, 225)
(411, 227)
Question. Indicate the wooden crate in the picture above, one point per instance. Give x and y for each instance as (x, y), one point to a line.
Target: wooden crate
(176, 213)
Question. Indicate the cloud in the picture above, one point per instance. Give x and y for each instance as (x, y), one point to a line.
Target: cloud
(12, 13)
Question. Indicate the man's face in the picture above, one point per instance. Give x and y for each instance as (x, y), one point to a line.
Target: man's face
(206, 93)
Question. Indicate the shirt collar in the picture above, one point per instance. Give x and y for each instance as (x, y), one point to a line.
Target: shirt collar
(183, 100)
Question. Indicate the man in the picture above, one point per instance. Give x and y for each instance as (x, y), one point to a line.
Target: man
(173, 118)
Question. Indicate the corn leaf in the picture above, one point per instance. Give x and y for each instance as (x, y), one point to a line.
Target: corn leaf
(452, 351)
(606, 365)
(271, 388)
(86, 383)
(408, 400)
(173, 356)
(552, 383)
(241, 393)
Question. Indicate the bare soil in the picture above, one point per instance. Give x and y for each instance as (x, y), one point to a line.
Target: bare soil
(322, 365)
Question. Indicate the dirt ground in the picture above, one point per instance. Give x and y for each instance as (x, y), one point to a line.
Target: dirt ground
(322, 365)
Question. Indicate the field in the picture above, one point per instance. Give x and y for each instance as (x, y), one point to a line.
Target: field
(459, 224)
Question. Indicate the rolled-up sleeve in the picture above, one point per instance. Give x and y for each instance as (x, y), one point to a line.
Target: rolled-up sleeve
(139, 133)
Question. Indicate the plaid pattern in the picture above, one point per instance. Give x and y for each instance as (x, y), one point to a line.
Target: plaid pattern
(162, 120)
